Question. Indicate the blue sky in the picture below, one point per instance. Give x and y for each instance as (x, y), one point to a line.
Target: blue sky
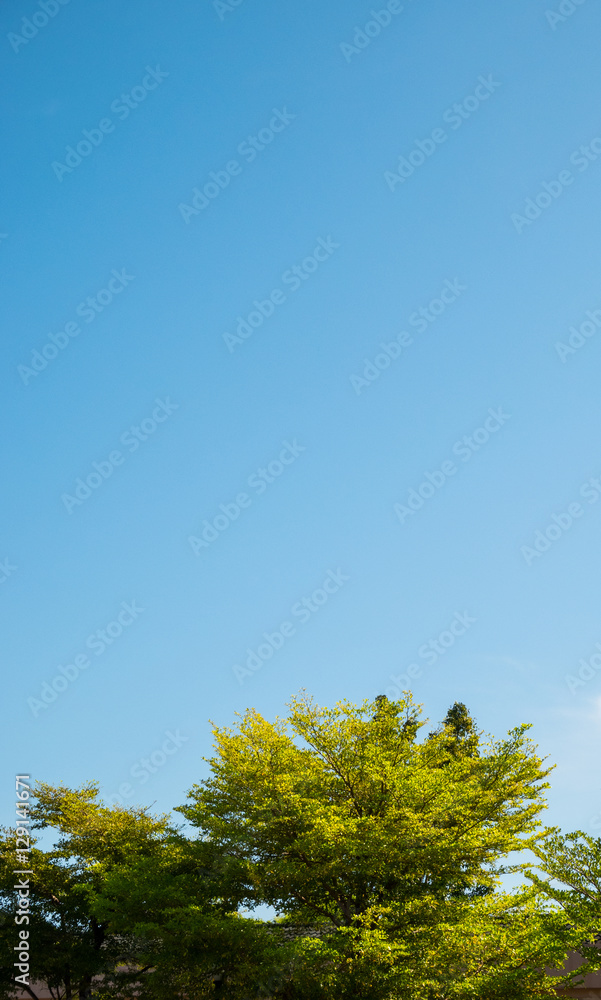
(344, 428)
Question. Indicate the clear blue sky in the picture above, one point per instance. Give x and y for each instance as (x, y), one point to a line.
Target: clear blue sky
(171, 282)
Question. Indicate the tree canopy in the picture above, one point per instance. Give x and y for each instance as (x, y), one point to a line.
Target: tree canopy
(333, 811)
(381, 848)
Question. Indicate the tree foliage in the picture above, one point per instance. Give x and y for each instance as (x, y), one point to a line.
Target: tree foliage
(382, 850)
(70, 945)
(334, 811)
(568, 874)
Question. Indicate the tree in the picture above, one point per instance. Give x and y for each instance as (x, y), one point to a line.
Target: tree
(123, 905)
(572, 865)
(70, 946)
(381, 851)
(343, 818)
(459, 731)
(178, 907)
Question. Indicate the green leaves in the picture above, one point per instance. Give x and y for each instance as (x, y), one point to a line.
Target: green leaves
(71, 943)
(381, 849)
(572, 864)
(335, 810)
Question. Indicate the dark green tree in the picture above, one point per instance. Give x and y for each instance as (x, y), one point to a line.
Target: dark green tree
(70, 945)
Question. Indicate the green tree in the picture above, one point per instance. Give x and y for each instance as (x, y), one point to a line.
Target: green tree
(123, 905)
(343, 818)
(381, 851)
(70, 946)
(568, 874)
(459, 731)
(178, 906)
